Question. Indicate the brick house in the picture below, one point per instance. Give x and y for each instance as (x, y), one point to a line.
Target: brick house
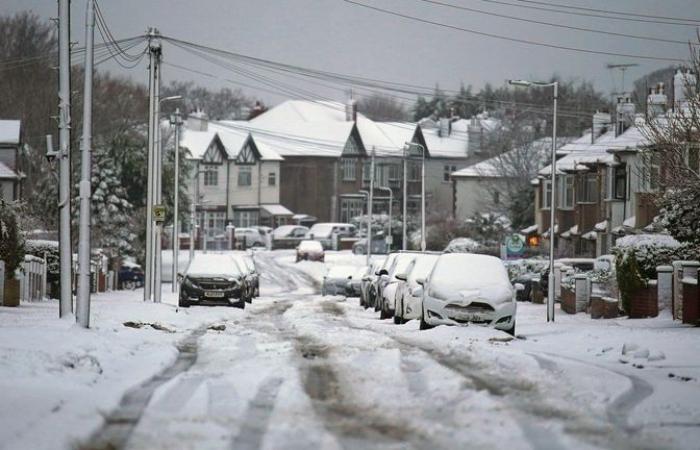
(10, 171)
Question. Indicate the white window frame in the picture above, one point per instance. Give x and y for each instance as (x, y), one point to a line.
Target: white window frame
(546, 193)
(272, 179)
(566, 192)
(248, 171)
(211, 175)
(348, 168)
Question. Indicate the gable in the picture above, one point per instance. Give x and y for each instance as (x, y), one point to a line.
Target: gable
(249, 154)
(354, 146)
(215, 153)
(418, 138)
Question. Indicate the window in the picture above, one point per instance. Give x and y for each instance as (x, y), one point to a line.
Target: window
(245, 218)
(546, 194)
(649, 172)
(212, 223)
(414, 169)
(566, 191)
(446, 175)
(365, 172)
(245, 176)
(211, 175)
(271, 179)
(351, 207)
(348, 167)
(496, 198)
(587, 189)
(620, 182)
(394, 175)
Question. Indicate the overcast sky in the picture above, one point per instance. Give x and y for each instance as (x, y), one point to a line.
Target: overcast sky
(340, 37)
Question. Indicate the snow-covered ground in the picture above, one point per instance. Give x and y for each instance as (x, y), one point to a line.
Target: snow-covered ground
(298, 370)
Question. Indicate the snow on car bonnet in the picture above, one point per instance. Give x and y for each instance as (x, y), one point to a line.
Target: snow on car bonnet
(470, 275)
(310, 246)
(207, 265)
(341, 271)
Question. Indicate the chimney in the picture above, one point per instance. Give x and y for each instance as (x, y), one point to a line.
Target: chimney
(624, 111)
(351, 110)
(445, 127)
(197, 121)
(474, 134)
(601, 124)
(684, 84)
(656, 102)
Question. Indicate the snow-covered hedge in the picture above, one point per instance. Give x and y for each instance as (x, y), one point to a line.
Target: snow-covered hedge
(462, 245)
(42, 248)
(649, 250)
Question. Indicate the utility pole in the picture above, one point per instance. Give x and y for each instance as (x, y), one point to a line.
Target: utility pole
(422, 199)
(158, 195)
(83, 297)
(154, 52)
(404, 237)
(64, 182)
(177, 122)
(369, 206)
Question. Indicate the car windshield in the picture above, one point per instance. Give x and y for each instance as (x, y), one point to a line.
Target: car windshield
(213, 265)
(456, 272)
(321, 230)
(283, 231)
(310, 246)
(400, 264)
(388, 262)
(424, 264)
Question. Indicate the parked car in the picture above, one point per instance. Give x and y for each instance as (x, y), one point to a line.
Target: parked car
(467, 288)
(379, 246)
(248, 237)
(288, 236)
(310, 251)
(323, 232)
(407, 302)
(355, 285)
(337, 279)
(245, 260)
(380, 281)
(130, 276)
(213, 278)
(387, 292)
(368, 280)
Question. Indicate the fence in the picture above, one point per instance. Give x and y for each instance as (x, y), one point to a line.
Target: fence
(32, 279)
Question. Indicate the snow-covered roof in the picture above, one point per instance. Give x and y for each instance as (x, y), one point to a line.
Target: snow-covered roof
(494, 167)
(601, 226)
(531, 229)
(233, 140)
(276, 210)
(579, 154)
(10, 131)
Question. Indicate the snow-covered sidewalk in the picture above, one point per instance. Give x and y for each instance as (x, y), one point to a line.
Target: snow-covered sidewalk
(58, 380)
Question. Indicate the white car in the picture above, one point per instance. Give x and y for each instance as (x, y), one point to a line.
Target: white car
(249, 237)
(407, 302)
(467, 288)
(323, 232)
(337, 280)
(387, 295)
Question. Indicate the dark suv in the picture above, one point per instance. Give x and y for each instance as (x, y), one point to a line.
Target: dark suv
(214, 279)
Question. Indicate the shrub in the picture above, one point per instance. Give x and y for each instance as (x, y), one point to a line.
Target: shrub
(11, 239)
(649, 250)
(48, 249)
(629, 278)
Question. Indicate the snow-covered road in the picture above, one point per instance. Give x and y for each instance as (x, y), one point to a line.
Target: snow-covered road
(298, 370)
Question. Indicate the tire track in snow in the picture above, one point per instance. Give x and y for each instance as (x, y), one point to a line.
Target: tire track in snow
(257, 416)
(120, 423)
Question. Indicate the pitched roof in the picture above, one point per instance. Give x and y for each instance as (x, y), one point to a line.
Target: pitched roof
(10, 131)
(233, 140)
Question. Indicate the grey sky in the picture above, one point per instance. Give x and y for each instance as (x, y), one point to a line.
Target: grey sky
(336, 36)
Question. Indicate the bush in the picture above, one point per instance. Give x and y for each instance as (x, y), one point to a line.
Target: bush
(48, 249)
(629, 278)
(11, 239)
(649, 250)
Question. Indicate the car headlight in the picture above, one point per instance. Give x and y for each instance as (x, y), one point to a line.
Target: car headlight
(190, 284)
(436, 293)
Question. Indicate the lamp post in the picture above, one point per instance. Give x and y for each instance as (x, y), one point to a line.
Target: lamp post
(391, 202)
(176, 121)
(369, 218)
(158, 198)
(422, 192)
(404, 201)
(552, 202)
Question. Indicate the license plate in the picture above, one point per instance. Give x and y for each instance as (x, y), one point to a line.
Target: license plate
(470, 317)
(213, 294)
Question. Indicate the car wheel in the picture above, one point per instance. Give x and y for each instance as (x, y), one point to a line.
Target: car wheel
(183, 303)
(383, 314)
(511, 330)
(398, 313)
(240, 304)
(423, 324)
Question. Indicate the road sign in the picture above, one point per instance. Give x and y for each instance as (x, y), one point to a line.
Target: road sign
(515, 244)
(158, 213)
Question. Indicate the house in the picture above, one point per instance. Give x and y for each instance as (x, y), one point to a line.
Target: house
(10, 171)
(606, 188)
(327, 149)
(479, 188)
(234, 179)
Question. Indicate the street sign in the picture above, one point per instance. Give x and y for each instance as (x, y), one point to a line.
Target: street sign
(515, 245)
(159, 213)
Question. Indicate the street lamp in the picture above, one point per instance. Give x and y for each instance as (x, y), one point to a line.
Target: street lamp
(409, 145)
(369, 218)
(176, 121)
(391, 202)
(555, 86)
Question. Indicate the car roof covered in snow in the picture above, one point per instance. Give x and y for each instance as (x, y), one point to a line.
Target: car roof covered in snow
(213, 265)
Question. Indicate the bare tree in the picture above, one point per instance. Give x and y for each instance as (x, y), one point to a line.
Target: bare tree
(382, 108)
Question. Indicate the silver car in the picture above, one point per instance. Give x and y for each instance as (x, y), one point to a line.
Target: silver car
(337, 280)
(407, 302)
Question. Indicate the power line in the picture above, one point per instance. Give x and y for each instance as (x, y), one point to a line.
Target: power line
(551, 24)
(608, 11)
(507, 38)
(584, 14)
